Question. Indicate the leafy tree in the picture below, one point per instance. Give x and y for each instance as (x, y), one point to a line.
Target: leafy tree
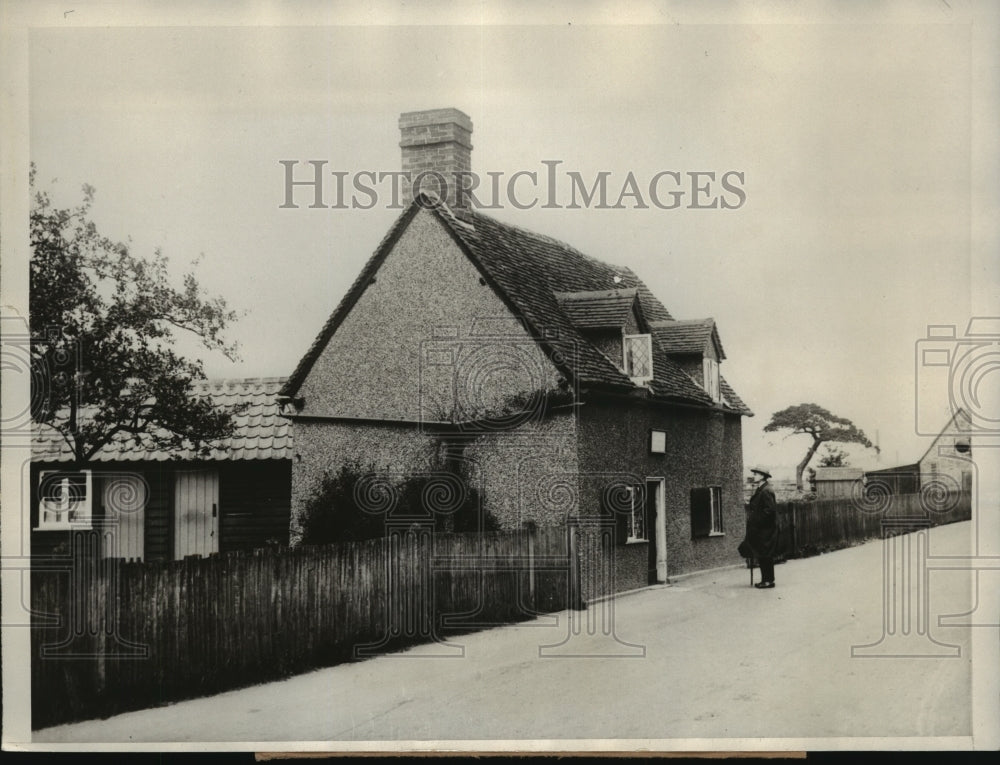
(822, 426)
(834, 457)
(104, 322)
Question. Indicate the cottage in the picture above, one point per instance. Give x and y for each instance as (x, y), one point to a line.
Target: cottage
(557, 386)
(150, 504)
(946, 465)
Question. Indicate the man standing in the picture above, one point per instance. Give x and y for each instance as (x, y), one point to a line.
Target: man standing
(762, 526)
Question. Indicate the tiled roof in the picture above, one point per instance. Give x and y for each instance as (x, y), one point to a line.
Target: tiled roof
(597, 309)
(687, 336)
(530, 272)
(261, 433)
(532, 269)
(670, 380)
(732, 400)
(528, 269)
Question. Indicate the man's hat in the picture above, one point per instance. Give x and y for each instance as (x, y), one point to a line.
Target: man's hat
(762, 470)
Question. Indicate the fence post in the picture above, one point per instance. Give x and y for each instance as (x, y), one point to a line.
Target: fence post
(794, 531)
(573, 547)
(531, 567)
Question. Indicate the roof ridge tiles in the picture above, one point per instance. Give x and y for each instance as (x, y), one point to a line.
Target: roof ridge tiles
(667, 323)
(583, 294)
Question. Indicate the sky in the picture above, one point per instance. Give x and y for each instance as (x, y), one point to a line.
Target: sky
(855, 140)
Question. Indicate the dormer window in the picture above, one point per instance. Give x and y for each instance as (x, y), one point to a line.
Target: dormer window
(638, 356)
(710, 374)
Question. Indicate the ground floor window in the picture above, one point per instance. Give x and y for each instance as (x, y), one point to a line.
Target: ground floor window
(624, 505)
(630, 515)
(64, 499)
(706, 511)
(637, 521)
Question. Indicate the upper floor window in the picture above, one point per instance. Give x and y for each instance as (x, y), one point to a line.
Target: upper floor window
(710, 374)
(64, 499)
(638, 355)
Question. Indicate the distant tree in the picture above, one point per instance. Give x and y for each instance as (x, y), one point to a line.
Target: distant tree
(822, 426)
(834, 457)
(103, 324)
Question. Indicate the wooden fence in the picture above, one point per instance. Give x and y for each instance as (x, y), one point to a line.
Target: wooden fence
(110, 636)
(807, 528)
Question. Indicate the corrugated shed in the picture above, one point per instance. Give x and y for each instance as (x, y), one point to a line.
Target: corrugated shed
(261, 433)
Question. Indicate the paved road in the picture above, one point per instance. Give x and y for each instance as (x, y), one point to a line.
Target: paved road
(720, 660)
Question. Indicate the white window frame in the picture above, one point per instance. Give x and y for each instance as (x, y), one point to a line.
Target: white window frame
(630, 538)
(710, 375)
(84, 513)
(715, 511)
(649, 353)
(657, 441)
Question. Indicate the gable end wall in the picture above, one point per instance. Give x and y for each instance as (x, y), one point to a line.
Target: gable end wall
(412, 348)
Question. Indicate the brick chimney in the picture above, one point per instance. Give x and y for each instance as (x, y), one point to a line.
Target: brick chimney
(436, 141)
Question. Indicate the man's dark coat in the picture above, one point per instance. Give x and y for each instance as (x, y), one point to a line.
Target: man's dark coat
(762, 522)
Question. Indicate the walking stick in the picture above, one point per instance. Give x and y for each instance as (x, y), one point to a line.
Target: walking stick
(747, 552)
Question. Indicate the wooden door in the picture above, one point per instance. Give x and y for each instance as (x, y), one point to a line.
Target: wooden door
(124, 501)
(196, 513)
